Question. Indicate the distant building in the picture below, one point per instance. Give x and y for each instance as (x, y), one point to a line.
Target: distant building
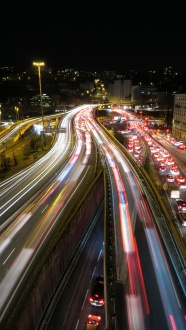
(120, 90)
(179, 116)
(143, 95)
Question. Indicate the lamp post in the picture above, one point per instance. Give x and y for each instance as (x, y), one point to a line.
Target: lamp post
(39, 64)
(0, 114)
(17, 113)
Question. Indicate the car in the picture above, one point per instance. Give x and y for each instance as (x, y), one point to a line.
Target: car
(153, 150)
(170, 161)
(180, 179)
(181, 204)
(172, 140)
(93, 322)
(174, 171)
(162, 168)
(97, 292)
(160, 157)
(173, 191)
(182, 218)
(162, 162)
(173, 167)
(138, 159)
(178, 143)
(130, 149)
(169, 178)
(137, 146)
(165, 154)
(136, 154)
(181, 147)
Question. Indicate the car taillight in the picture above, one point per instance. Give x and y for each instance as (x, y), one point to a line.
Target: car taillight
(91, 299)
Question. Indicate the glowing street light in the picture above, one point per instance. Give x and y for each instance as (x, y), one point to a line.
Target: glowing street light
(17, 113)
(39, 64)
(0, 114)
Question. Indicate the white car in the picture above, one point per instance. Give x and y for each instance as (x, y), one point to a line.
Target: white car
(174, 171)
(169, 178)
(178, 143)
(170, 161)
(165, 154)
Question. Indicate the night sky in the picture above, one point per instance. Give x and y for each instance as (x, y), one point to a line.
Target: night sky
(94, 35)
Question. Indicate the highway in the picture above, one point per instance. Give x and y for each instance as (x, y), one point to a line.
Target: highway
(71, 307)
(25, 238)
(152, 290)
(124, 181)
(140, 256)
(21, 189)
(13, 131)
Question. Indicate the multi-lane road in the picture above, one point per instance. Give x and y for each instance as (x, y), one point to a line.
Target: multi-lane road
(25, 234)
(150, 292)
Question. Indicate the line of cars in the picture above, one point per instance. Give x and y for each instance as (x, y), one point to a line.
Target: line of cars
(166, 167)
(163, 162)
(175, 142)
(176, 183)
(96, 298)
(133, 145)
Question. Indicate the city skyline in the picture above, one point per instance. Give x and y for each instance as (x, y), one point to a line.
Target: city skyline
(95, 37)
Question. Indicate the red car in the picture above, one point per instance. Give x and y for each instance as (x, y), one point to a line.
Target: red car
(93, 320)
(181, 147)
(181, 181)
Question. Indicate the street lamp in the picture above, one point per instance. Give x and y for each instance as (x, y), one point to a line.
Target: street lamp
(0, 114)
(39, 64)
(17, 113)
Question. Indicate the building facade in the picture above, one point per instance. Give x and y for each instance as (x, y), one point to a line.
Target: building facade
(179, 116)
(120, 90)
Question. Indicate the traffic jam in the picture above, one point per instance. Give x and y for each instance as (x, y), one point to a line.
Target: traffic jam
(137, 137)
